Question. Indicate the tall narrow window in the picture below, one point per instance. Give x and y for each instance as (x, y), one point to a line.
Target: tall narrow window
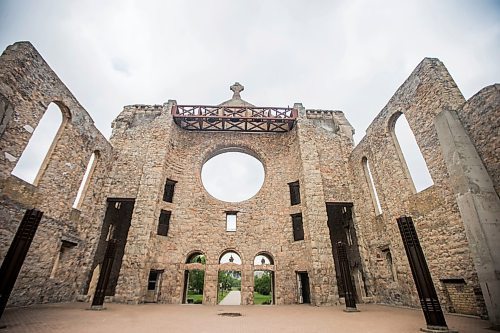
(294, 193)
(298, 228)
(231, 221)
(153, 277)
(164, 222)
(371, 185)
(409, 153)
(168, 192)
(30, 164)
(85, 181)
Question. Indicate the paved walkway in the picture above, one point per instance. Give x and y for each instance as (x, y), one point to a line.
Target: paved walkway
(75, 318)
(232, 298)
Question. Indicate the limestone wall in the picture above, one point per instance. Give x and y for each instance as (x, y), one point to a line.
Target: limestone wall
(428, 90)
(27, 87)
(163, 150)
(147, 147)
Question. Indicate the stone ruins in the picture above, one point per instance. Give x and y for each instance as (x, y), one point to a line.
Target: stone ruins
(144, 190)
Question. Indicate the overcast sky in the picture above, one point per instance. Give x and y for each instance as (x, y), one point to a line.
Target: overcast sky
(343, 55)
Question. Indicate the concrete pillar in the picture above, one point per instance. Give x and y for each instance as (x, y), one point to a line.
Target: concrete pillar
(478, 203)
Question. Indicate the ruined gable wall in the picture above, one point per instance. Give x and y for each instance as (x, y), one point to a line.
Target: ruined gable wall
(27, 87)
(429, 90)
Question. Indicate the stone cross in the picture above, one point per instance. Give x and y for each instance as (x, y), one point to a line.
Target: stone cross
(236, 88)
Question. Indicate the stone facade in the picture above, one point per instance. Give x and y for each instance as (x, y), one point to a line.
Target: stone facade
(147, 148)
(27, 87)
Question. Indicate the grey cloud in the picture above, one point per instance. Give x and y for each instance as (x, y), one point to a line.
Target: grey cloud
(346, 55)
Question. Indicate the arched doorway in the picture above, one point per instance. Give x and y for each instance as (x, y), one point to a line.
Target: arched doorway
(194, 278)
(229, 279)
(263, 275)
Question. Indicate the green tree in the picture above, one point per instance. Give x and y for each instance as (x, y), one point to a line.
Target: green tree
(262, 283)
(196, 281)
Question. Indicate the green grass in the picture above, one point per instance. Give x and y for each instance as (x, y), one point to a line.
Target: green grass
(259, 299)
(221, 295)
(197, 298)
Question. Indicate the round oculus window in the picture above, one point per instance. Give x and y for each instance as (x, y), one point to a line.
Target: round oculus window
(232, 176)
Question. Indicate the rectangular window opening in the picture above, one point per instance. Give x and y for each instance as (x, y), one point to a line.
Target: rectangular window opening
(294, 193)
(153, 276)
(168, 192)
(298, 228)
(231, 221)
(164, 222)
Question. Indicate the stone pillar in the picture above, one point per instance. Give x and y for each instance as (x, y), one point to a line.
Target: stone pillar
(317, 236)
(247, 284)
(211, 280)
(478, 203)
(132, 283)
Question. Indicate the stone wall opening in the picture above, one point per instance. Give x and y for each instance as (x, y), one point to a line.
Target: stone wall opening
(116, 225)
(229, 287)
(230, 257)
(263, 286)
(194, 282)
(86, 178)
(194, 278)
(409, 153)
(371, 185)
(154, 285)
(232, 175)
(30, 164)
(303, 288)
(263, 279)
(341, 227)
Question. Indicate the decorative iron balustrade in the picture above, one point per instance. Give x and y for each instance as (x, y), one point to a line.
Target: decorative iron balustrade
(234, 118)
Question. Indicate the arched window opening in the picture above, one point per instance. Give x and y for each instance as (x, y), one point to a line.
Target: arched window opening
(85, 181)
(263, 259)
(29, 167)
(196, 258)
(371, 185)
(409, 153)
(230, 257)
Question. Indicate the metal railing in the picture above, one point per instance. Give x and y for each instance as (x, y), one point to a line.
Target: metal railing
(234, 118)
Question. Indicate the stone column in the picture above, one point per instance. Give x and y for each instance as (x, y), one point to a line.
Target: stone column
(132, 282)
(478, 203)
(211, 280)
(246, 284)
(317, 237)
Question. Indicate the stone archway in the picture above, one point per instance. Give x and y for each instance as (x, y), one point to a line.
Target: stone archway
(264, 279)
(229, 278)
(194, 278)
